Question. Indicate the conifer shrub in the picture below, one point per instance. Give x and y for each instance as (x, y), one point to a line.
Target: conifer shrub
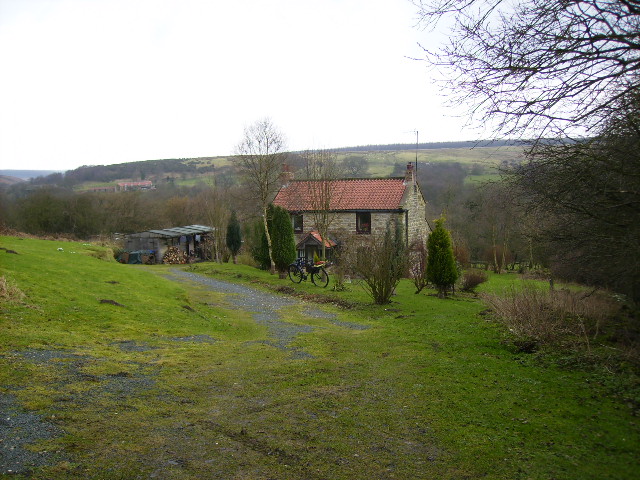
(282, 240)
(441, 264)
(260, 249)
(234, 236)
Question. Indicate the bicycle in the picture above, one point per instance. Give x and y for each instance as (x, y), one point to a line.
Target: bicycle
(301, 270)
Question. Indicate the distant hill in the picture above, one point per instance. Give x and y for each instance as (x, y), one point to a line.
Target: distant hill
(7, 180)
(27, 174)
(380, 160)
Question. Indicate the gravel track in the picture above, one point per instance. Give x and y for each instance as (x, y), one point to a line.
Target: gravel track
(265, 308)
(20, 428)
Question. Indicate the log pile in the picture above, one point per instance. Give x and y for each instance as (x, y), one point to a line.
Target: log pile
(174, 256)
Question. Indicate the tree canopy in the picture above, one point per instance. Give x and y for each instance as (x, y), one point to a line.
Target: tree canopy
(587, 195)
(538, 67)
(261, 153)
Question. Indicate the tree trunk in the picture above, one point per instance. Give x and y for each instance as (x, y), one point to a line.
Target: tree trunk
(324, 253)
(504, 250)
(494, 239)
(266, 231)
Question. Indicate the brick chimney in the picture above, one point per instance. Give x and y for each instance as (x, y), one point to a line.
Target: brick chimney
(410, 175)
(286, 175)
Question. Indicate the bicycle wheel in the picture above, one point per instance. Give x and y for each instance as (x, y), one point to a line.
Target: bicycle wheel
(295, 274)
(320, 277)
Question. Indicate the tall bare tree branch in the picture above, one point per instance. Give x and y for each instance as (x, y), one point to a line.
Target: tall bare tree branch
(538, 67)
(259, 159)
(322, 169)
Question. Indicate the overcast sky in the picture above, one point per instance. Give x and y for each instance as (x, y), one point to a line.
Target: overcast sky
(89, 82)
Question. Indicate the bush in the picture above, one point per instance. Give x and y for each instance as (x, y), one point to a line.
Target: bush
(106, 254)
(9, 292)
(418, 265)
(246, 259)
(561, 318)
(471, 279)
(381, 263)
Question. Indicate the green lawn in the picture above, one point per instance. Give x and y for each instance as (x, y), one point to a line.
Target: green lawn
(175, 383)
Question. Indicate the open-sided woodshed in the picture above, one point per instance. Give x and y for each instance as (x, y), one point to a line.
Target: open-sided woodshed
(189, 240)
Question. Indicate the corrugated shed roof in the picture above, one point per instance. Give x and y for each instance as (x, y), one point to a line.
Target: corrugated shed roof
(176, 231)
(348, 194)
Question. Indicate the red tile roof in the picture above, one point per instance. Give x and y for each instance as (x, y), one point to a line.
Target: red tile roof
(316, 236)
(349, 194)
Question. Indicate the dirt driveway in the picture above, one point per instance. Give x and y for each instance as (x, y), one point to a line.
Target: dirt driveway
(76, 390)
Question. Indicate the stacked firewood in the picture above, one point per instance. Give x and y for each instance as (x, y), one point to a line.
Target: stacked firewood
(174, 256)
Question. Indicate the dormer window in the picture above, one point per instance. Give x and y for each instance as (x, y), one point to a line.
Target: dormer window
(363, 222)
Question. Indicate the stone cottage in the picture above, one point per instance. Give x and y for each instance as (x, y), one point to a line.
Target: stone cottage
(360, 206)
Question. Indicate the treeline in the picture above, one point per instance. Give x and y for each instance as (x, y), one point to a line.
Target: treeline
(131, 170)
(49, 210)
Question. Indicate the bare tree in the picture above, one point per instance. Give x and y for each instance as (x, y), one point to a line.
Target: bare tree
(500, 218)
(417, 258)
(259, 159)
(538, 66)
(586, 197)
(213, 206)
(322, 169)
(560, 67)
(355, 166)
(178, 210)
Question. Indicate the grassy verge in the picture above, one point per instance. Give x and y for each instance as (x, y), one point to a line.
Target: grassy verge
(169, 380)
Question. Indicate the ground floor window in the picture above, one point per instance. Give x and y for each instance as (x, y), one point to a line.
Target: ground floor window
(363, 222)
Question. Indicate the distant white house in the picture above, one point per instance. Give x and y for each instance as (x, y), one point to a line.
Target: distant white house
(143, 185)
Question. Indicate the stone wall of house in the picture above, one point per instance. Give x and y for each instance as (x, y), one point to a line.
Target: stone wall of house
(346, 222)
(417, 215)
(418, 228)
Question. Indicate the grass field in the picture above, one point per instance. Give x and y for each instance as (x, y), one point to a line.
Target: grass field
(381, 164)
(134, 375)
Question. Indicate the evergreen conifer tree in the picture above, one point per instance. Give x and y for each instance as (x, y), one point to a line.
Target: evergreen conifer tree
(260, 249)
(441, 264)
(234, 236)
(282, 239)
